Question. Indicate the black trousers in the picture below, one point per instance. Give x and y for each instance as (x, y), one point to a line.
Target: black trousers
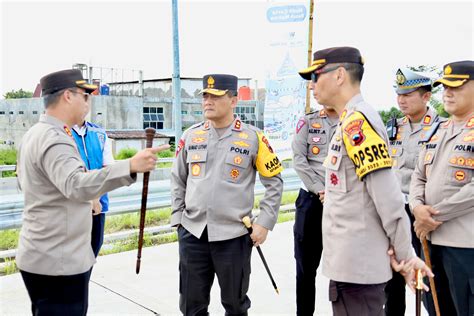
(200, 260)
(58, 295)
(350, 299)
(308, 249)
(97, 238)
(395, 290)
(454, 279)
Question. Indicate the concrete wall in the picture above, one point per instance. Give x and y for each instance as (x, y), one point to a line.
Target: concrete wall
(18, 115)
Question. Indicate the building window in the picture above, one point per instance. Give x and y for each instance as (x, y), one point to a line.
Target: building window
(184, 112)
(21, 112)
(35, 112)
(11, 112)
(153, 117)
(197, 112)
(2, 112)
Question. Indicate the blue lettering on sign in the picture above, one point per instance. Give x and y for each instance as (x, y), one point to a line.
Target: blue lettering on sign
(290, 13)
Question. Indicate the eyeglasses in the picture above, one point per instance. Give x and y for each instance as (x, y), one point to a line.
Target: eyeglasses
(315, 74)
(85, 94)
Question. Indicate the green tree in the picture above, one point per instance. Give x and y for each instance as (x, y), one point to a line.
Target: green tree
(18, 94)
(393, 112)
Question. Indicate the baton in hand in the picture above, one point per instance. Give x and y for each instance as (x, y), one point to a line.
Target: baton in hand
(426, 253)
(418, 290)
(150, 133)
(248, 224)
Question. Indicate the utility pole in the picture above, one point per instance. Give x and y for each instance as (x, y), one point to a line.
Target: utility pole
(310, 48)
(176, 81)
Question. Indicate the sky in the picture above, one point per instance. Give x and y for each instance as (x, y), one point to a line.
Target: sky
(39, 37)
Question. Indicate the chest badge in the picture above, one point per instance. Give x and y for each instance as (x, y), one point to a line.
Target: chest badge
(315, 150)
(460, 175)
(234, 173)
(316, 125)
(354, 131)
(198, 140)
(243, 135)
(242, 144)
(237, 160)
(334, 179)
(196, 169)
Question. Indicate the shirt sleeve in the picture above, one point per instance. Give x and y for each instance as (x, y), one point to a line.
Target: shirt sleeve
(300, 158)
(179, 176)
(418, 183)
(385, 192)
(458, 204)
(108, 158)
(66, 171)
(271, 201)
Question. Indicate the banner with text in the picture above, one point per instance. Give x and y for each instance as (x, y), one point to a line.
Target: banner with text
(287, 26)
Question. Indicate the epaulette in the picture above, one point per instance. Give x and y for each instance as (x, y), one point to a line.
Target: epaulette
(197, 125)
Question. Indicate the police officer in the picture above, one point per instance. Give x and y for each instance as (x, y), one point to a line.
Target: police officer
(310, 147)
(212, 189)
(96, 152)
(54, 250)
(363, 207)
(442, 187)
(413, 93)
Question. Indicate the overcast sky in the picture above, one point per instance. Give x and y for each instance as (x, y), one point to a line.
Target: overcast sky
(39, 37)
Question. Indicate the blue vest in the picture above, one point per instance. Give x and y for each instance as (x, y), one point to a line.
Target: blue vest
(91, 147)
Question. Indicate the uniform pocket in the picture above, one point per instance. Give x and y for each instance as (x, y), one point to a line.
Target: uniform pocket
(234, 167)
(196, 160)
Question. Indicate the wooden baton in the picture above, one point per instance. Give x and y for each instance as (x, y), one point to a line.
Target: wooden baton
(150, 133)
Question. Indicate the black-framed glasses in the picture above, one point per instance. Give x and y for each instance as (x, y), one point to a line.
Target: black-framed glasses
(84, 94)
(315, 74)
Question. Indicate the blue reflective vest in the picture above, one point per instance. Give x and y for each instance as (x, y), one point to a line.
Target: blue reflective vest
(91, 147)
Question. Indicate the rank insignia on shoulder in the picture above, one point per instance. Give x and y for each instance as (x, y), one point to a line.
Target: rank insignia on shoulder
(238, 124)
(67, 130)
(241, 143)
(427, 120)
(470, 123)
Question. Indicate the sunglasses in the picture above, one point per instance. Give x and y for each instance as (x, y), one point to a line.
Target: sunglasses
(85, 94)
(315, 74)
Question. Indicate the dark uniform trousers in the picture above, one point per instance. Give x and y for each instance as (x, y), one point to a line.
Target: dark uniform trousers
(200, 259)
(454, 279)
(308, 248)
(395, 290)
(350, 299)
(98, 223)
(58, 295)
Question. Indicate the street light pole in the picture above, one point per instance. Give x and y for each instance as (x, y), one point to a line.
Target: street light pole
(176, 81)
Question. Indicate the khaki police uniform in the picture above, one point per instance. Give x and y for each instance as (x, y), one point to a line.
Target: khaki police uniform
(405, 149)
(212, 189)
(213, 179)
(55, 238)
(443, 179)
(310, 147)
(363, 209)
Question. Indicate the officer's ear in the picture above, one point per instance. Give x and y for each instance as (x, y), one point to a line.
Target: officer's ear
(426, 96)
(341, 75)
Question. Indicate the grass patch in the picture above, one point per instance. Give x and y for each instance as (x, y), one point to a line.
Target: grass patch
(132, 220)
(286, 217)
(164, 164)
(9, 239)
(132, 243)
(9, 267)
(287, 198)
(8, 157)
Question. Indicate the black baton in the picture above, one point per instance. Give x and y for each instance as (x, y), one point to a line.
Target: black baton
(248, 224)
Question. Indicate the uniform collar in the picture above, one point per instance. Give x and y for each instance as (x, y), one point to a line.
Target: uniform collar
(348, 109)
(49, 119)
